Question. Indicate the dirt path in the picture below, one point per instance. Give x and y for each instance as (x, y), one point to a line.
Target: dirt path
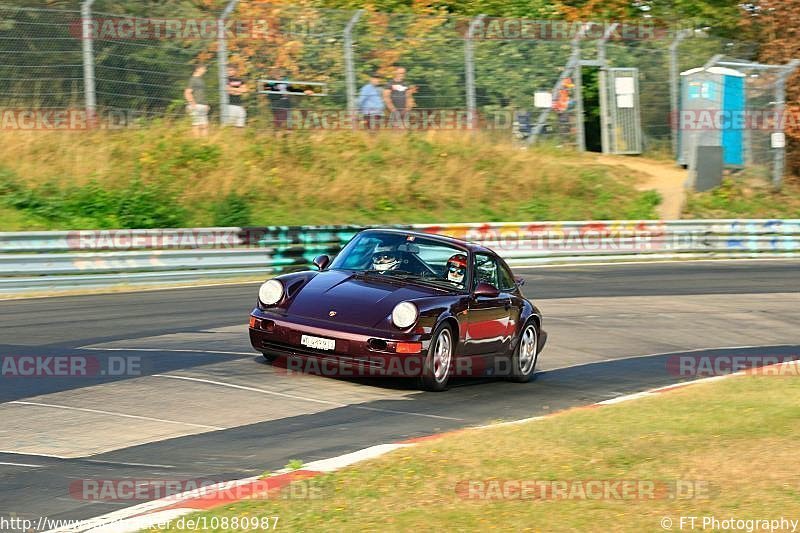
(662, 176)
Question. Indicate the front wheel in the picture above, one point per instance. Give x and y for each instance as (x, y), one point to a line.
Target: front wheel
(523, 362)
(269, 358)
(438, 361)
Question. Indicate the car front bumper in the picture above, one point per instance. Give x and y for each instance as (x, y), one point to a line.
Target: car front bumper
(357, 351)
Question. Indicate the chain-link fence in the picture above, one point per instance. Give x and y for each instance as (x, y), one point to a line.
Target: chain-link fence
(533, 81)
(40, 59)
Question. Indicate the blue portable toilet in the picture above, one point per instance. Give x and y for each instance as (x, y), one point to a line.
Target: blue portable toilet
(712, 113)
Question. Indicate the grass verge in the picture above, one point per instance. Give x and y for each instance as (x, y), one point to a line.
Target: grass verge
(735, 438)
(159, 176)
(745, 196)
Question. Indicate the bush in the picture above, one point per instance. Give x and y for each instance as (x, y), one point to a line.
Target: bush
(137, 205)
(233, 210)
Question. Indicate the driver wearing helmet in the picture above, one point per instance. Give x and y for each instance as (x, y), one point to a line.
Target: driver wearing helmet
(385, 258)
(456, 268)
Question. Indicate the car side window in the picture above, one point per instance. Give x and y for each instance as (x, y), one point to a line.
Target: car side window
(485, 270)
(507, 282)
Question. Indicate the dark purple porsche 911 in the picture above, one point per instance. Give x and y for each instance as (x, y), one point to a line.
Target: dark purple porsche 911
(400, 303)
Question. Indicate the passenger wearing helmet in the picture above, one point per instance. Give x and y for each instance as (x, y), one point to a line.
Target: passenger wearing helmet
(385, 258)
(456, 268)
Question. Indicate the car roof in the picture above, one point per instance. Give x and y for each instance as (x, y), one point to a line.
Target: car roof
(471, 246)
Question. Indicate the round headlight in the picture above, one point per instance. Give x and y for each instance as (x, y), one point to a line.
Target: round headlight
(404, 314)
(270, 292)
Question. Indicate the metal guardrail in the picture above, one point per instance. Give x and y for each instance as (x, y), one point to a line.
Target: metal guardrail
(34, 261)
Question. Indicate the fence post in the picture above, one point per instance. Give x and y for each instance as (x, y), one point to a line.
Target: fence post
(469, 69)
(674, 87)
(88, 60)
(222, 61)
(603, 90)
(580, 126)
(349, 66)
(779, 157)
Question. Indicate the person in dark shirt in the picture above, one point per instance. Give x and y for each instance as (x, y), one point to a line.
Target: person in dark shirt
(398, 96)
(279, 96)
(279, 102)
(237, 115)
(197, 105)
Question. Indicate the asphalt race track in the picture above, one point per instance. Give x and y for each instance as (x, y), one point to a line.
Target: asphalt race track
(201, 405)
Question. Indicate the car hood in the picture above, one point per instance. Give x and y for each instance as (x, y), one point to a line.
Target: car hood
(355, 298)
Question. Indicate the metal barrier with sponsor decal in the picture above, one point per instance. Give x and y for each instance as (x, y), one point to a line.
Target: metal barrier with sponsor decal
(96, 258)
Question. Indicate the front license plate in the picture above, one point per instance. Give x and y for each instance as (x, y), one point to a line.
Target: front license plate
(318, 343)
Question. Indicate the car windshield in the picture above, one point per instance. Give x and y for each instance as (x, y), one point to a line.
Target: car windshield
(403, 256)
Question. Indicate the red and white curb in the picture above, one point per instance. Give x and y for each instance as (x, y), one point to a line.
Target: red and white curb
(148, 514)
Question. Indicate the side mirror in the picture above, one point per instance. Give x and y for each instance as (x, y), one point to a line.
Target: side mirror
(520, 282)
(486, 290)
(321, 261)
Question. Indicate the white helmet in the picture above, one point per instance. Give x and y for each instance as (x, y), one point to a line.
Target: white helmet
(384, 258)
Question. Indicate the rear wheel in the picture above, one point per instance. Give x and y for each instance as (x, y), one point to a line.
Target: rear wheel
(438, 362)
(523, 363)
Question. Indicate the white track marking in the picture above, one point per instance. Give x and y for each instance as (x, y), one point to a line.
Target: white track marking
(111, 413)
(9, 452)
(186, 350)
(511, 422)
(625, 398)
(392, 411)
(341, 461)
(301, 398)
(22, 464)
(251, 389)
(123, 463)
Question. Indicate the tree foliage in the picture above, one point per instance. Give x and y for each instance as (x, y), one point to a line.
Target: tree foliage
(778, 24)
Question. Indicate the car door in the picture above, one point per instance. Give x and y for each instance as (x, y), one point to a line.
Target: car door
(509, 289)
(488, 317)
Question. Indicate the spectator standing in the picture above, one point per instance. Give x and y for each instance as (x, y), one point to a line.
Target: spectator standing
(398, 96)
(197, 105)
(370, 103)
(279, 102)
(562, 104)
(237, 115)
